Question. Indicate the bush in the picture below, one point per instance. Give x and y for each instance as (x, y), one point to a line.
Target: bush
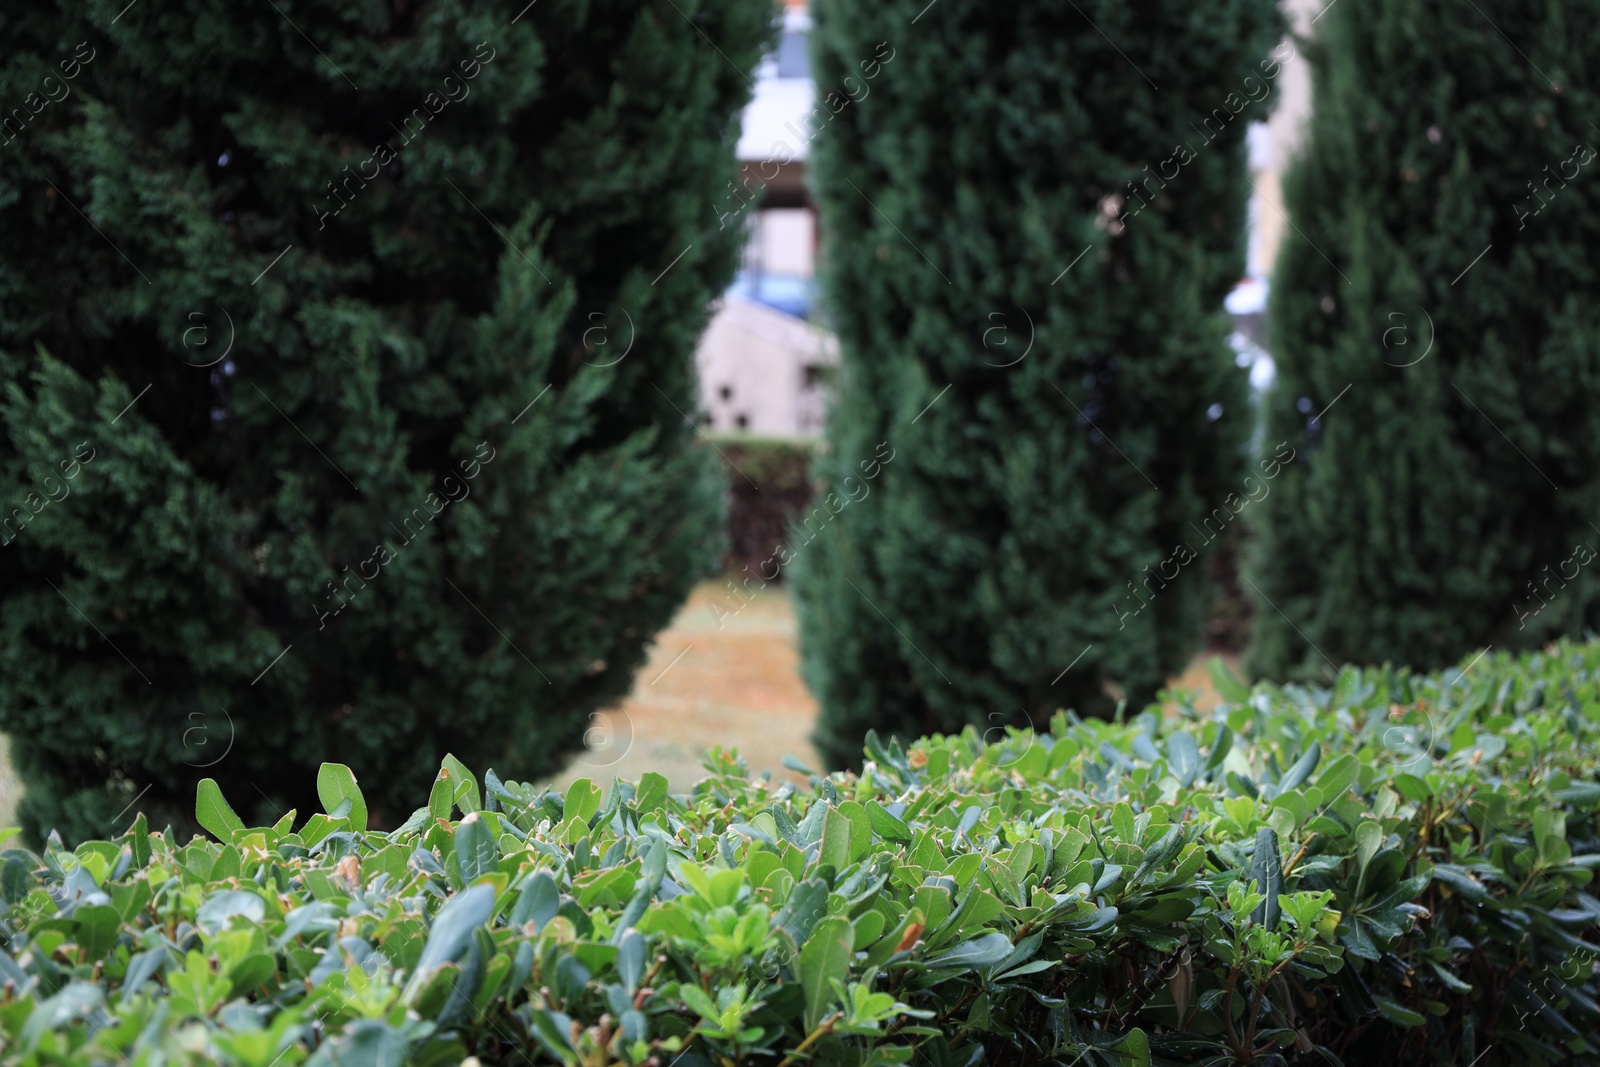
(1395, 871)
(368, 529)
(1436, 283)
(1029, 310)
(769, 483)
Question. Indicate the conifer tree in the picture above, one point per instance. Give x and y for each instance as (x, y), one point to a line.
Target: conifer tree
(1437, 342)
(1031, 214)
(348, 360)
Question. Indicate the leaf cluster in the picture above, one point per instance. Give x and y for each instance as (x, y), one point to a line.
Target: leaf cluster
(1394, 870)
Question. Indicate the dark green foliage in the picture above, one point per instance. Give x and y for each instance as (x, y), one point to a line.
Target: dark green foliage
(1050, 425)
(1439, 285)
(759, 519)
(1390, 873)
(456, 384)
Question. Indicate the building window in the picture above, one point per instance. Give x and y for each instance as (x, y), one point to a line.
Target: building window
(742, 421)
(814, 374)
(726, 392)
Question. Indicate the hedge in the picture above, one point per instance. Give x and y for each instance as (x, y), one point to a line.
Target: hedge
(1393, 871)
(769, 485)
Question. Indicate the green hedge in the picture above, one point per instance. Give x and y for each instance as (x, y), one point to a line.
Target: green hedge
(1394, 871)
(769, 486)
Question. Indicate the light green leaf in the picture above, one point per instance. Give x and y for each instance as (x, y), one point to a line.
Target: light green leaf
(441, 797)
(583, 800)
(836, 830)
(1369, 837)
(465, 792)
(138, 836)
(336, 784)
(825, 959)
(652, 791)
(886, 824)
(1338, 776)
(211, 811)
(1134, 1049)
(699, 1001)
(860, 829)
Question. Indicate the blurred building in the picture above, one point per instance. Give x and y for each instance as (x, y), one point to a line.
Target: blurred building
(1272, 144)
(764, 362)
(764, 371)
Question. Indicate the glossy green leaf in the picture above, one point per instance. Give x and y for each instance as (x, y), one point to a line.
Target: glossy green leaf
(1267, 873)
(452, 932)
(476, 851)
(825, 959)
(211, 811)
(336, 785)
(464, 786)
(983, 951)
(836, 830)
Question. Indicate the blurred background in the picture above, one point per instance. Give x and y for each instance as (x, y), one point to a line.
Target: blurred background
(768, 364)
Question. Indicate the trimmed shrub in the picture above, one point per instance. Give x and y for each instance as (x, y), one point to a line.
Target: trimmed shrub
(1027, 250)
(769, 484)
(370, 403)
(1435, 298)
(1393, 872)
(1231, 612)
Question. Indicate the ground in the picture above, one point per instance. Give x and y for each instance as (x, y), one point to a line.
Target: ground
(718, 675)
(736, 684)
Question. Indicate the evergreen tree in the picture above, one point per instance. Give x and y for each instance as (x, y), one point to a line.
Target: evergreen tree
(1027, 244)
(347, 353)
(1437, 291)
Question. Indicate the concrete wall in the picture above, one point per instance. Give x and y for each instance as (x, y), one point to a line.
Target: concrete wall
(764, 372)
